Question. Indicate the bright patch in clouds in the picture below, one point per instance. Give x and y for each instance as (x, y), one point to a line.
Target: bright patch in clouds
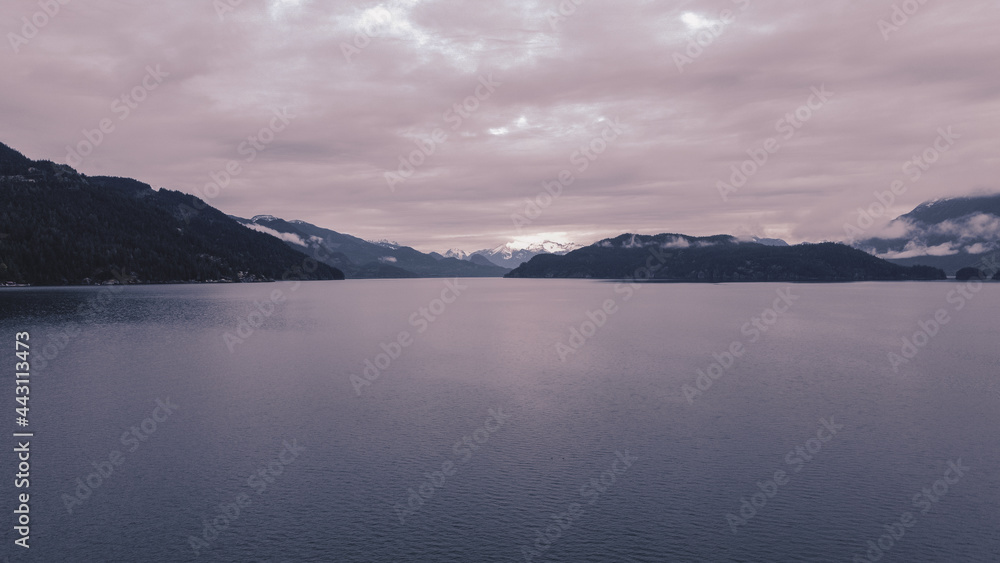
(280, 7)
(695, 21)
(373, 18)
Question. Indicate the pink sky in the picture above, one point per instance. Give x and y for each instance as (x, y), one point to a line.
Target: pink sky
(550, 88)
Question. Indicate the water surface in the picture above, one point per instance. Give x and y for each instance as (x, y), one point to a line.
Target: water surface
(567, 416)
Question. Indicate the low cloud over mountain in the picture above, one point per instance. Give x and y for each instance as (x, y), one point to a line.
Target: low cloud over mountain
(360, 258)
(948, 233)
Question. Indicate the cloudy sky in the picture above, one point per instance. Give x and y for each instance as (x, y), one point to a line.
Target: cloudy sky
(498, 97)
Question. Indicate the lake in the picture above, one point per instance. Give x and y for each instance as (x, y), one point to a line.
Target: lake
(491, 420)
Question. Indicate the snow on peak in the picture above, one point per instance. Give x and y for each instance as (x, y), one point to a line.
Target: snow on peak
(391, 244)
(537, 247)
(456, 253)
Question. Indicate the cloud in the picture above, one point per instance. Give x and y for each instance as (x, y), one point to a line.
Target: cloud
(676, 242)
(975, 226)
(974, 234)
(913, 250)
(634, 242)
(979, 248)
(287, 237)
(558, 87)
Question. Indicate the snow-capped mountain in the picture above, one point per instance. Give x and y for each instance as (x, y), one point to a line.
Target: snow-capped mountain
(515, 253)
(457, 253)
(385, 243)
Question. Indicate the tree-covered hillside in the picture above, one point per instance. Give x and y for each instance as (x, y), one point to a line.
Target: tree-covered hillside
(721, 258)
(61, 227)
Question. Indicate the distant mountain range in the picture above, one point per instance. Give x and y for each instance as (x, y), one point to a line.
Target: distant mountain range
(720, 258)
(769, 241)
(360, 258)
(947, 233)
(58, 226)
(513, 254)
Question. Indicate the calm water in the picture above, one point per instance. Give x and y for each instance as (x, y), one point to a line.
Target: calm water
(325, 474)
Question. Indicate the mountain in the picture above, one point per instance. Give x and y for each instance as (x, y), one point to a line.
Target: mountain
(720, 258)
(360, 258)
(481, 260)
(513, 254)
(58, 226)
(950, 233)
(769, 241)
(456, 253)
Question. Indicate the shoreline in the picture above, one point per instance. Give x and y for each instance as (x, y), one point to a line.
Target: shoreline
(600, 280)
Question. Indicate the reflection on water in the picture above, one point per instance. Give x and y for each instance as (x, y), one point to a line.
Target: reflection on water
(507, 420)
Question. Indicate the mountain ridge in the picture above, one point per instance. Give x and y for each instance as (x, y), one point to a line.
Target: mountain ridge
(949, 233)
(60, 227)
(717, 258)
(513, 254)
(360, 258)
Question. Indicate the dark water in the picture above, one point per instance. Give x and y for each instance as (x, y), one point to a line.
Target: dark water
(540, 433)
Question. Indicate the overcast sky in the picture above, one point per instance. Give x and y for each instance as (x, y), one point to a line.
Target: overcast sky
(367, 82)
